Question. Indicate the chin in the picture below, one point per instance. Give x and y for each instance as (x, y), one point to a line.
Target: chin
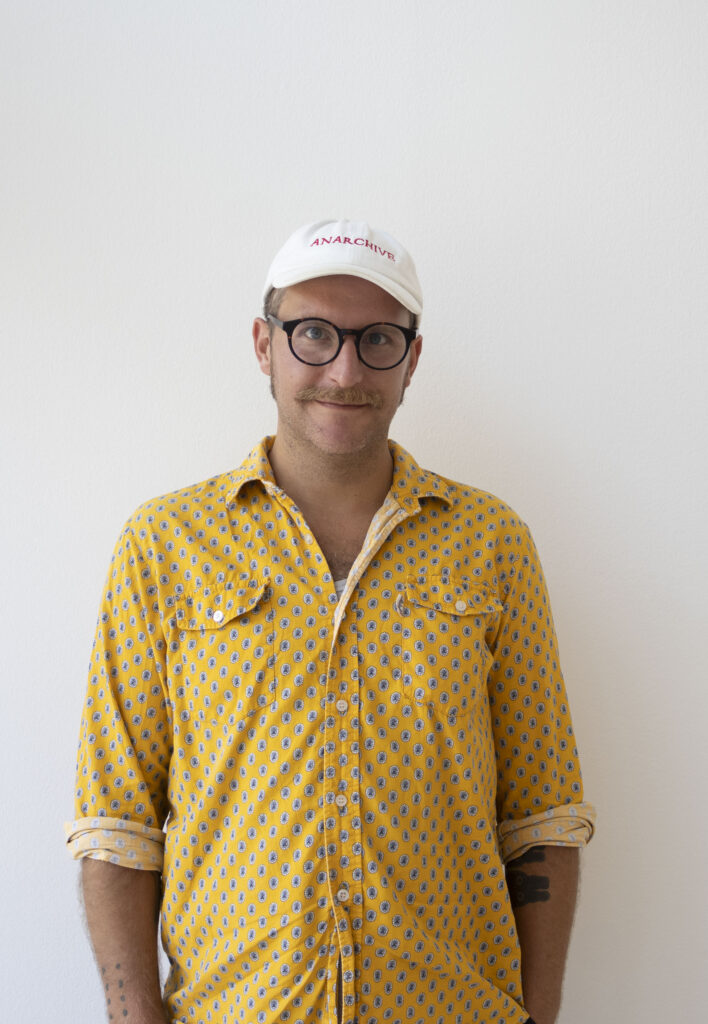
(342, 447)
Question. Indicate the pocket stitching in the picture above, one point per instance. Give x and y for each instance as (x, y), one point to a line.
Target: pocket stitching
(204, 623)
(214, 601)
(418, 596)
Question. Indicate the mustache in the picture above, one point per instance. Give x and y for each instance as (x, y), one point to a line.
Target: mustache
(340, 396)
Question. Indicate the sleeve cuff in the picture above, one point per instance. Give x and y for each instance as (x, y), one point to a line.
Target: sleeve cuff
(127, 843)
(569, 825)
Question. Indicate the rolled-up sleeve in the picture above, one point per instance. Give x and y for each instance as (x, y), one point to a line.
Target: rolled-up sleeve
(540, 798)
(117, 841)
(125, 737)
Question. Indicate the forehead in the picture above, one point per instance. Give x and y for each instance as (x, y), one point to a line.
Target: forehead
(341, 298)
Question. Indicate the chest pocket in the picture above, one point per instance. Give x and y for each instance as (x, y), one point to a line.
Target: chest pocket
(223, 651)
(447, 624)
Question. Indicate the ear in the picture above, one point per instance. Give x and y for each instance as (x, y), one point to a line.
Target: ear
(413, 357)
(261, 344)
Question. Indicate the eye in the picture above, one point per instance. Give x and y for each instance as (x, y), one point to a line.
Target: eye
(383, 335)
(377, 338)
(313, 332)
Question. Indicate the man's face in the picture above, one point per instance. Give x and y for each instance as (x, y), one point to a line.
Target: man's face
(342, 408)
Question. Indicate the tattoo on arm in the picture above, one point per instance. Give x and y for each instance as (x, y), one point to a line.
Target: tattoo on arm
(119, 1011)
(527, 888)
(534, 855)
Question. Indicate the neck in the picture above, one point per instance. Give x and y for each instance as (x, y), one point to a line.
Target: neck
(317, 480)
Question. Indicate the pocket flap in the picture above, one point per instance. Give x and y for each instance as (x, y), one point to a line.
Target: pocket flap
(456, 595)
(217, 604)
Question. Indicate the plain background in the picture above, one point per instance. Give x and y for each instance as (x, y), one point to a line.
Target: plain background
(547, 164)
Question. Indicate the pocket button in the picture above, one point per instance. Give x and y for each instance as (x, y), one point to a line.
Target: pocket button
(460, 606)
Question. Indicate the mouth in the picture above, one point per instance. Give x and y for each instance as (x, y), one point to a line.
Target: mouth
(343, 405)
(344, 398)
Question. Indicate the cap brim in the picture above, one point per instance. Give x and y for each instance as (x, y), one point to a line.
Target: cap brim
(286, 278)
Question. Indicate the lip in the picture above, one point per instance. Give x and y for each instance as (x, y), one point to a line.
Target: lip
(341, 405)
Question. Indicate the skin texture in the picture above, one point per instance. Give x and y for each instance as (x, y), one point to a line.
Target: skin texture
(331, 450)
(121, 906)
(336, 437)
(543, 885)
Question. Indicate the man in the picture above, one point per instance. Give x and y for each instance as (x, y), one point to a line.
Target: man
(326, 738)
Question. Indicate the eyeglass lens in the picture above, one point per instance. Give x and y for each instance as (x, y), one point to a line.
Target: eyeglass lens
(316, 342)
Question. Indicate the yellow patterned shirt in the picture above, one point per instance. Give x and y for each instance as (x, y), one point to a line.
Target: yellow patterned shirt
(328, 780)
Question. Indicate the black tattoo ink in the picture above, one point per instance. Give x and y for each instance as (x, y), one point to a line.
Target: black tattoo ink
(106, 987)
(535, 855)
(525, 888)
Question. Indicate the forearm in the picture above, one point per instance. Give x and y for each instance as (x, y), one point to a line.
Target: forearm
(543, 886)
(122, 909)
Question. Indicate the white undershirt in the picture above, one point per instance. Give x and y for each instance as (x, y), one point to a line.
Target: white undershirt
(339, 586)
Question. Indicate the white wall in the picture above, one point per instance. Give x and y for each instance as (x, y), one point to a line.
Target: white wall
(546, 162)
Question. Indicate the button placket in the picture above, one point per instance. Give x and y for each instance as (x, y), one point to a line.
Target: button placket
(349, 840)
(339, 891)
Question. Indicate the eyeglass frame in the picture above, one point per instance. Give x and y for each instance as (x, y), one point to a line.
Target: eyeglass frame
(409, 334)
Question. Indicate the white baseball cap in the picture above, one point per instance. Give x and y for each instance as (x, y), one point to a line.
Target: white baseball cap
(347, 247)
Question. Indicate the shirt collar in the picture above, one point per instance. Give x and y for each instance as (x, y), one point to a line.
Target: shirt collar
(256, 466)
(409, 484)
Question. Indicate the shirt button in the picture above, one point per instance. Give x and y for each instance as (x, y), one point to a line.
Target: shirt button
(341, 706)
(460, 606)
(340, 800)
(342, 895)
(218, 615)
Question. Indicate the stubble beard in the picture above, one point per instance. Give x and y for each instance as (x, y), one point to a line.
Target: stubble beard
(343, 396)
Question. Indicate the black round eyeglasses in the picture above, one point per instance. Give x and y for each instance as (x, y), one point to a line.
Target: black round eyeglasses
(317, 342)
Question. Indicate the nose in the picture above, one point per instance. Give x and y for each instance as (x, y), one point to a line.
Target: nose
(347, 367)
